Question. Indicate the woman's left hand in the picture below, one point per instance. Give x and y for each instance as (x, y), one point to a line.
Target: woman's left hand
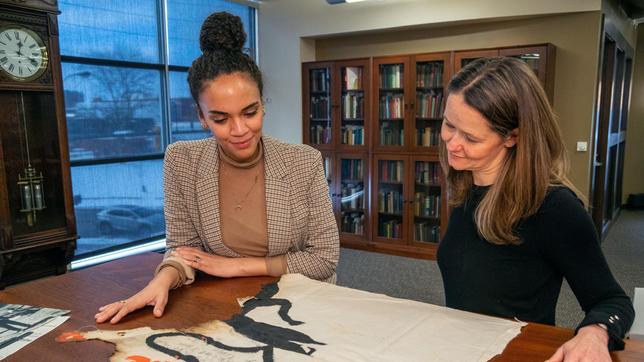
(215, 265)
(590, 344)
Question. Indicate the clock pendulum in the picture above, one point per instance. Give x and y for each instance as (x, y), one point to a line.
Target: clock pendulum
(31, 185)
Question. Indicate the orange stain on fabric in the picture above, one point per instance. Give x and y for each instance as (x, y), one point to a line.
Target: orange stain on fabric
(138, 359)
(74, 336)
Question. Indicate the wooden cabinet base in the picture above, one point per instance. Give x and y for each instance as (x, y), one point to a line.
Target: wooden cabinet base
(411, 251)
(20, 265)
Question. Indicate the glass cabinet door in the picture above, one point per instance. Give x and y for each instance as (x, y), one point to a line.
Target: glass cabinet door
(31, 162)
(319, 106)
(327, 159)
(540, 59)
(463, 58)
(353, 105)
(353, 193)
(391, 80)
(427, 201)
(390, 198)
(431, 77)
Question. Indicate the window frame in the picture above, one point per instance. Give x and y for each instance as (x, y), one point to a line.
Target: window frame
(164, 68)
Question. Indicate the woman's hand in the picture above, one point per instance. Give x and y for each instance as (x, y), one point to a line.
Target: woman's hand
(221, 266)
(154, 294)
(590, 344)
(215, 265)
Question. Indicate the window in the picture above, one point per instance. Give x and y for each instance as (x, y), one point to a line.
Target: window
(126, 99)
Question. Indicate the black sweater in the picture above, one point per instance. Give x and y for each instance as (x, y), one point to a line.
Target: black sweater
(524, 280)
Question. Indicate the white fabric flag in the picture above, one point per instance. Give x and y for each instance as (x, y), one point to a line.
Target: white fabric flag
(300, 319)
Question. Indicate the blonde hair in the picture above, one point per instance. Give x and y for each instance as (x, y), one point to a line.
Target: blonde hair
(508, 94)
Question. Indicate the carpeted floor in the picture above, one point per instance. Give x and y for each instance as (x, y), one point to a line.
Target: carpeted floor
(421, 280)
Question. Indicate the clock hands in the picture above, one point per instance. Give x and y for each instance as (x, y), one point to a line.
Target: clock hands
(20, 54)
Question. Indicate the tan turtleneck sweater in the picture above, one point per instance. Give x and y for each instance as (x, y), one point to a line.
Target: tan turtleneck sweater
(244, 226)
(242, 204)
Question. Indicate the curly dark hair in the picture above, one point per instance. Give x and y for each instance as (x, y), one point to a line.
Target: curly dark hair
(221, 40)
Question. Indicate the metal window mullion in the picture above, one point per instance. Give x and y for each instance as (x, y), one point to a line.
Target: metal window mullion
(166, 122)
(254, 25)
(112, 160)
(109, 62)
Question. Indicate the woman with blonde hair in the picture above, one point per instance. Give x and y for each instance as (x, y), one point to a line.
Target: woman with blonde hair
(519, 226)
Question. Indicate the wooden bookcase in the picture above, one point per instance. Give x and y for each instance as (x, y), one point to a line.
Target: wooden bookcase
(540, 57)
(337, 121)
(377, 123)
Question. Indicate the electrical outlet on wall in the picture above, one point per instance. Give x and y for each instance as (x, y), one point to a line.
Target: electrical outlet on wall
(582, 146)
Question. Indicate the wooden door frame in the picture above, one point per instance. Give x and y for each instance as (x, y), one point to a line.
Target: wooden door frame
(603, 117)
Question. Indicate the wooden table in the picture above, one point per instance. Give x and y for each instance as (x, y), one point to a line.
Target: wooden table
(84, 291)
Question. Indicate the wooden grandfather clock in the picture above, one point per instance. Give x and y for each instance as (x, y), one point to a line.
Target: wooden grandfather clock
(37, 225)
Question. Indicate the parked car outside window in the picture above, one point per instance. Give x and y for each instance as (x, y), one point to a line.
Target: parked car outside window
(130, 218)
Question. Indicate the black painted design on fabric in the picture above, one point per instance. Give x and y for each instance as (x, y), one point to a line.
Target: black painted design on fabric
(272, 336)
(151, 342)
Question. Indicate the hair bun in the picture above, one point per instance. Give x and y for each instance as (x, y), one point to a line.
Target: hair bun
(222, 31)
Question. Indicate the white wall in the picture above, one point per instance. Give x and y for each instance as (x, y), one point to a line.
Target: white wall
(287, 29)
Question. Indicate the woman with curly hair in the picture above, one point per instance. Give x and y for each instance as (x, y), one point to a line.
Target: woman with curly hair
(239, 203)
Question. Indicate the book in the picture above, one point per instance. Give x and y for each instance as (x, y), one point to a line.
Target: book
(353, 78)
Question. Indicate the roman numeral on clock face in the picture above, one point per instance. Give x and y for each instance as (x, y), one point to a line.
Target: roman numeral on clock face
(20, 54)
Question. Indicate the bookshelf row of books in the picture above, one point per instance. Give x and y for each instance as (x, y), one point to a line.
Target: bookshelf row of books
(352, 135)
(391, 106)
(352, 105)
(352, 169)
(391, 171)
(426, 232)
(430, 105)
(320, 135)
(390, 202)
(427, 205)
(390, 229)
(352, 78)
(352, 223)
(319, 80)
(320, 107)
(352, 197)
(429, 75)
(391, 76)
(428, 173)
(390, 136)
(427, 136)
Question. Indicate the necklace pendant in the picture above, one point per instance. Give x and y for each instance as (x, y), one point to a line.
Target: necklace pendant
(238, 207)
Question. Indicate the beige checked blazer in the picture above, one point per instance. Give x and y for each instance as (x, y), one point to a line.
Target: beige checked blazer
(300, 218)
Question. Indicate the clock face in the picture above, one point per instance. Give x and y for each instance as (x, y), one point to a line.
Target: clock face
(23, 56)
